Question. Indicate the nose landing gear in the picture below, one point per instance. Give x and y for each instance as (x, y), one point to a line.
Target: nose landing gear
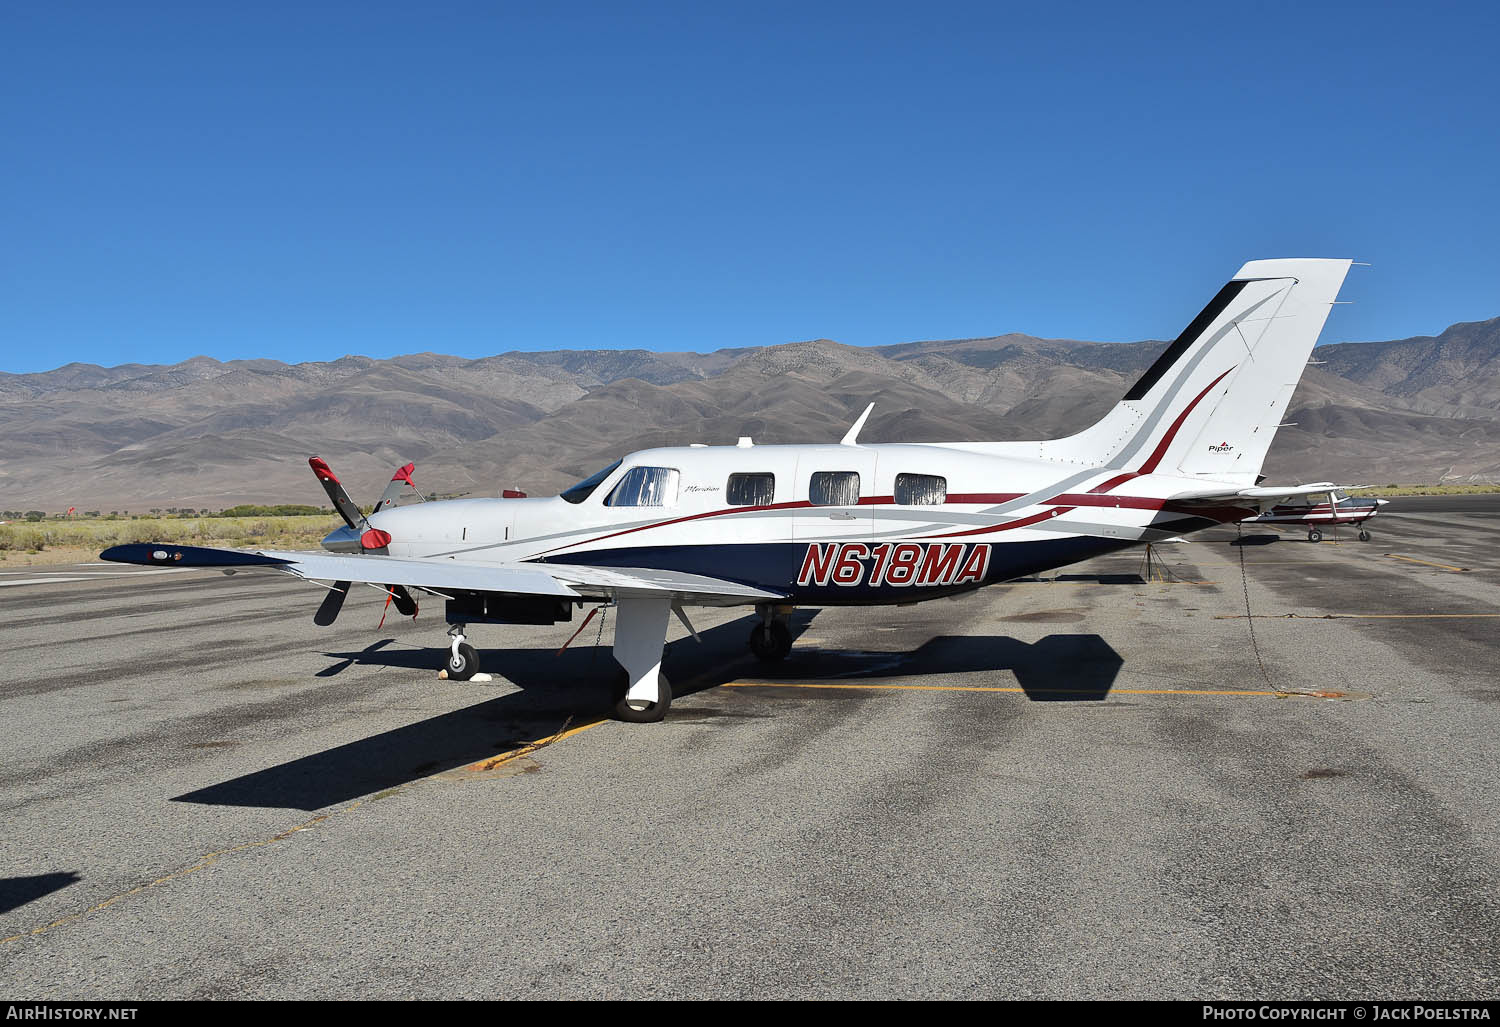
(463, 658)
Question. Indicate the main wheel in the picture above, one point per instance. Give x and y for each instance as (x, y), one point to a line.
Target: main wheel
(771, 642)
(1364, 536)
(1314, 535)
(463, 664)
(635, 711)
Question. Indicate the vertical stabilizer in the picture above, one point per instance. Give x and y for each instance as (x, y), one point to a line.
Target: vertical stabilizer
(1210, 404)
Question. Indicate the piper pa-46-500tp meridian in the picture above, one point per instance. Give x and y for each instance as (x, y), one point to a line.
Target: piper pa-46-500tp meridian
(777, 527)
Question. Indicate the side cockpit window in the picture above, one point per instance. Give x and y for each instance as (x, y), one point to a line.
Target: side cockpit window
(750, 490)
(833, 488)
(646, 486)
(921, 490)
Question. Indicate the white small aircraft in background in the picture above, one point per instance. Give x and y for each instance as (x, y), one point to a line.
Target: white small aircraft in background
(1318, 511)
(775, 527)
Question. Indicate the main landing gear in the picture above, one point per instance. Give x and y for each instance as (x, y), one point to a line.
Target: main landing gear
(642, 693)
(1314, 535)
(771, 639)
(641, 711)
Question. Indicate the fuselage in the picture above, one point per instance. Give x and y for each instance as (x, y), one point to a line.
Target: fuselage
(822, 524)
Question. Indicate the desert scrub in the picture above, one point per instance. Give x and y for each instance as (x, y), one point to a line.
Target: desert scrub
(291, 532)
(28, 540)
(1429, 490)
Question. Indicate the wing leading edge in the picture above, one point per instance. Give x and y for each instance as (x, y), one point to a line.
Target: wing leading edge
(570, 581)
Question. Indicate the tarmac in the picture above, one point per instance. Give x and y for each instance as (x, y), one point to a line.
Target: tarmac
(1271, 775)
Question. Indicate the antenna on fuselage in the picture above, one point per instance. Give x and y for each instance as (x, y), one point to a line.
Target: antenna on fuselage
(851, 437)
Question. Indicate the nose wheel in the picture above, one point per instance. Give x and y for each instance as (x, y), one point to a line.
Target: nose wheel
(463, 659)
(1364, 536)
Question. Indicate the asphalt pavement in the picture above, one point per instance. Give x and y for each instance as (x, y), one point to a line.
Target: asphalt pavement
(1085, 785)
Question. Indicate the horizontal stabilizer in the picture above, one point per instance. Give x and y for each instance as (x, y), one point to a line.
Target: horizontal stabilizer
(1230, 492)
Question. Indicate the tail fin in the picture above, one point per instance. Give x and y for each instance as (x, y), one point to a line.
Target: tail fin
(1211, 403)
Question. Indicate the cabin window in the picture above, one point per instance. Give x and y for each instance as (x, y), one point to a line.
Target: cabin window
(921, 490)
(585, 488)
(750, 490)
(834, 488)
(645, 486)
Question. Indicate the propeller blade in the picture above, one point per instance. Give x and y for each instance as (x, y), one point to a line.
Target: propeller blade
(341, 501)
(328, 611)
(399, 481)
(406, 603)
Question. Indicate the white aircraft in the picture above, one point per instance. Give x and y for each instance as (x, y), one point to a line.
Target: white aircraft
(777, 527)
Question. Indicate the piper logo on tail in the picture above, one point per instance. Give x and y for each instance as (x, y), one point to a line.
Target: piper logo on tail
(1222, 447)
(848, 564)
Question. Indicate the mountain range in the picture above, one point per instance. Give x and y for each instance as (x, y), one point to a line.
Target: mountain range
(211, 434)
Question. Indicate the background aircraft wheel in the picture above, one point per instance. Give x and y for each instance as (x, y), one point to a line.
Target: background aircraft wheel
(1314, 535)
(771, 642)
(633, 711)
(464, 664)
(1364, 536)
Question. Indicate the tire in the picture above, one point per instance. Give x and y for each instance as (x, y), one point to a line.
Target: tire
(1364, 536)
(1314, 535)
(649, 713)
(772, 643)
(464, 664)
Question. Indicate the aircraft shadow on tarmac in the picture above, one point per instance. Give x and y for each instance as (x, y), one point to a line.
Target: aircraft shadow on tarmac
(17, 891)
(574, 688)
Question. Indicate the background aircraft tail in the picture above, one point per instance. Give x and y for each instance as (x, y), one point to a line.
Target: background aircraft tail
(1211, 403)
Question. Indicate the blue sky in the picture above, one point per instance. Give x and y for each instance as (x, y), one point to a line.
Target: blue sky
(302, 181)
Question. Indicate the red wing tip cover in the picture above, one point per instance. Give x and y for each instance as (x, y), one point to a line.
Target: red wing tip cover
(375, 539)
(159, 554)
(512, 494)
(321, 469)
(404, 474)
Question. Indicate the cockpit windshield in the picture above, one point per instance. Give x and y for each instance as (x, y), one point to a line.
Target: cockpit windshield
(585, 488)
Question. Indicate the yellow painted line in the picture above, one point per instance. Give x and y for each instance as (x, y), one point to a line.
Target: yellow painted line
(211, 858)
(1358, 616)
(987, 688)
(1429, 563)
(530, 747)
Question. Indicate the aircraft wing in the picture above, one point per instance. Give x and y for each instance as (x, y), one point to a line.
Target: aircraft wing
(571, 581)
(612, 582)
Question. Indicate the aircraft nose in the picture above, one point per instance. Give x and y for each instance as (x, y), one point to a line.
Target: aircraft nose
(342, 540)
